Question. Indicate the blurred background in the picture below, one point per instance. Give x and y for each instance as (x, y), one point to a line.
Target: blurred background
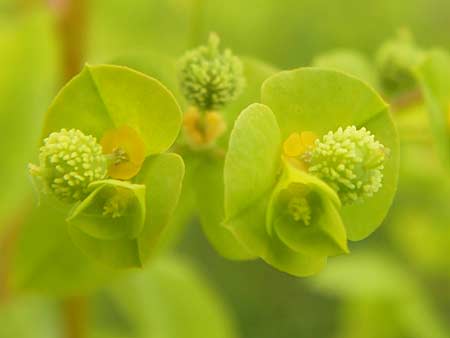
(395, 284)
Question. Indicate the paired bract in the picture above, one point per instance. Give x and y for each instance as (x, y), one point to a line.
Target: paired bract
(283, 212)
(123, 188)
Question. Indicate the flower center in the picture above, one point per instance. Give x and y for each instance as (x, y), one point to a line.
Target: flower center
(299, 209)
(125, 150)
(297, 148)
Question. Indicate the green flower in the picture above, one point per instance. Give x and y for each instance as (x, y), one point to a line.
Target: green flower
(69, 162)
(351, 161)
(291, 174)
(112, 184)
(209, 77)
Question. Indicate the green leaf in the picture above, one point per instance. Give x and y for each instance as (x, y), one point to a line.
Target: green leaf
(175, 293)
(434, 79)
(348, 61)
(116, 253)
(27, 85)
(124, 218)
(318, 100)
(163, 176)
(209, 189)
(46, 260)
(253, 159)
(106, 96)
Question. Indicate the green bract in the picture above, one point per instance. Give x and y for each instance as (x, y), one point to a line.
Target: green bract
(291, 218)
(118, 222)
(210, 78)
(434, 77)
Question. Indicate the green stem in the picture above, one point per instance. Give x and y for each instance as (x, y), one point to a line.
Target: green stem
(197, 8)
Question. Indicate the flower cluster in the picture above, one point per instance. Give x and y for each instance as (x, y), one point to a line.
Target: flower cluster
(69, 162)
(209, 77)
(351, 161)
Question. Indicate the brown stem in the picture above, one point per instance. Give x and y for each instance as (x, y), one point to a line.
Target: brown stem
(74, 311)
(406, 100)
(7, 246)
(71, 29)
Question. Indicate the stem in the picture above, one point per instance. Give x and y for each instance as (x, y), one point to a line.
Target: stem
(71, 29)
(406, 100)
(196, 22)
(7, 246)
(74, 311)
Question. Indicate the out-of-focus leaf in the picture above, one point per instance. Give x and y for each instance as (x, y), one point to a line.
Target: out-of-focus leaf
(434, 77)
(46, 260)
(348, 61)
(170, 299)
(27, 81)
(29, 317)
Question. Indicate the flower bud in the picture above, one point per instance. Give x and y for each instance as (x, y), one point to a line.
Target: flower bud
(395, 62)
(69, 162)
(209, 77)
(351, 161)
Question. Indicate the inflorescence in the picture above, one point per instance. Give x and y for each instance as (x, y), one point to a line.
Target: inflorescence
(69, 162)
(209, 77)
(351, 161)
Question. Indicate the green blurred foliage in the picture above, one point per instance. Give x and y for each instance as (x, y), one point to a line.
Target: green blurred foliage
(401, 293)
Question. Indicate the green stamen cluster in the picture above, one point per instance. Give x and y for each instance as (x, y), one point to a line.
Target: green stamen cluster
(351, 161)
(211, 78)
(69, 162)
(299, 209)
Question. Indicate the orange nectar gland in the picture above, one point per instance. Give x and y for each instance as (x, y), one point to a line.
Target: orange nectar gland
(296, 145)
(125, 150)
(203, 130)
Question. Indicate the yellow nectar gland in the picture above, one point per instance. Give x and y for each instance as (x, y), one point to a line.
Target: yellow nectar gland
(126, 150)
(296, 145)
(203, 130)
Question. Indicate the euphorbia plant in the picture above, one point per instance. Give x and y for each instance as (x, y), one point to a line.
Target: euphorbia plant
(104, 161)
(314, 165)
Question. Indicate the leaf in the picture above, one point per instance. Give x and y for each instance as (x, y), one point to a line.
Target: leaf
(163, 176)
(46, 260)
(348, 61)
(318, 100)
(175, 293)
(253, 159)
(209, 189)
(27, 85)
(117, 253)
(434, 75)
(93, 217)
(29, 317)
(104, 97)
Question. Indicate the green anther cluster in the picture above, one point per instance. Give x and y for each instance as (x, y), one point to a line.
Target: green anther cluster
(69, 162)
(209, 77)
(299, 209)
(351, 161)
